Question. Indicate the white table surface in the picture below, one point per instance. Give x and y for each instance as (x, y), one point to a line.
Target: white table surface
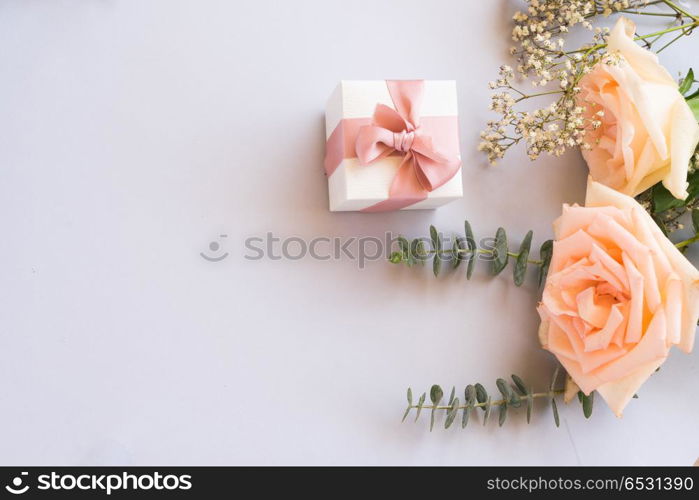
(133, 133)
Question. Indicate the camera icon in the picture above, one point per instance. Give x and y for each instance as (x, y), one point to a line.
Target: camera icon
(16, 487)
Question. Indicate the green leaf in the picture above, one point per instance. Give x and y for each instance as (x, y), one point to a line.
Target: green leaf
(503, 414)
(515, 401)
(481, 394)
(500, 251)
(436, 394)
(417, 251)
(587, 403)
(420, 404)
(451, 415)
(519, 383)
(504, 389)
(410, 404)
(664, 200)
(530, 406)
(407, 255)
(695, 219)
(396, 258)
(687, 82)
(555, 412)
(471, 242)
(554, 379)
(403, 245)
(458, 256)
(521, 262)
(545, 253)
(486, 415)
(437, 247)
(451, 396)
(470, 398)
(694, 104)
(464, 418)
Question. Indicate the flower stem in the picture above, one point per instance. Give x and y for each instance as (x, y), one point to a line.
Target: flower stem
(687, 26)
(482, 252)
(497, 402)
(680, 10)
(688, 241)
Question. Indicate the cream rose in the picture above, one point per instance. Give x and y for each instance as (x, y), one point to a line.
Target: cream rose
(618, 295)
(648, 132)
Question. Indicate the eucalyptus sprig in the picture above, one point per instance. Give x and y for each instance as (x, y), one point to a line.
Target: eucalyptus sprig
(513, 394)
(465, 249)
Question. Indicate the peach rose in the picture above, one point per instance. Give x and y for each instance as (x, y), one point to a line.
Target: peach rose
(648, 132)
(618, 295)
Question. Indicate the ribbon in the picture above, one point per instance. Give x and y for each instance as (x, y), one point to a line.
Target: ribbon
(400, 131)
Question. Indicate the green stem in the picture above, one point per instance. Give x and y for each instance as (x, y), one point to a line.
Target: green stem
(497, 402)
(688, 241)
(642, 37)
(527, 96)
(680, 10)
(480, 251)
(661, 14)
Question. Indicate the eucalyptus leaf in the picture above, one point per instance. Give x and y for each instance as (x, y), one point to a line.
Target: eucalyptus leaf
(530, 407)
(587, 402)
(451, 414)
(500, 255)
(437, 248)
(407, 411)
(470, 395)
(486, 415)
(503, 414)
(471, 242)
(481, 394)
(554, 408)
(520, 268)
(410, 396)
(545, 253)
(554, 379)
(464, 418)
(420, 404)
(515, 401)
(436, 264)
(406, 251)
(504, 389)
(436, 394)
(519, 383)
(457, 254)
(451, 396)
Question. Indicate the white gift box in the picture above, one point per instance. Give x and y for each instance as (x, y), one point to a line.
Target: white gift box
(353, 186)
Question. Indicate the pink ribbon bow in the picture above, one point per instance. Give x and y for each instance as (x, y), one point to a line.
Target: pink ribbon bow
(423, 168)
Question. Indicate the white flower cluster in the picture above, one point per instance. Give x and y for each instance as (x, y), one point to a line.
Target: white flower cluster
(543, 62)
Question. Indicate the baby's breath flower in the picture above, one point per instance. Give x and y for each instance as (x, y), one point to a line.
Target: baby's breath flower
(542, 60)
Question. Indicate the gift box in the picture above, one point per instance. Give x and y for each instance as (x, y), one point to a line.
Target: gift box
(392, 145)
